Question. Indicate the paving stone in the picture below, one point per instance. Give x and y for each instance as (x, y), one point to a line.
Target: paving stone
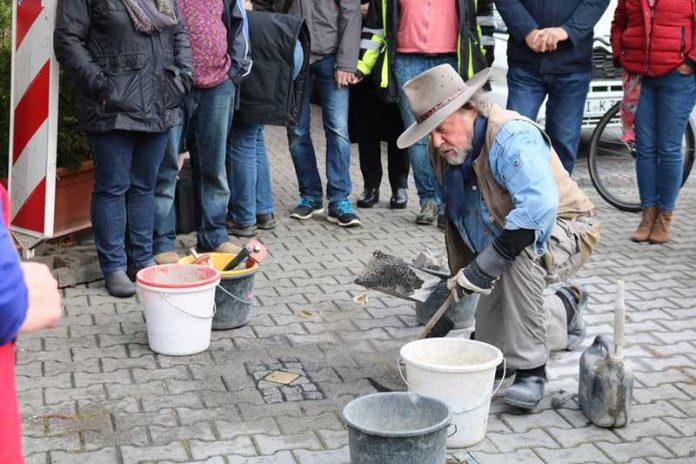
(650, 428)
(323, 421)
(284, 457)
(682, 447)
(340, 456)
(524, 456)
(526, 422)
(582, 454)
(511, 442)
(647, 447)
(272, 444)
(102, 456)
(241, 446)
(571, 438)
(173, 451)
(228, 430)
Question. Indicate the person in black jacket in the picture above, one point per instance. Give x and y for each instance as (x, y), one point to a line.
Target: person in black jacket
(132, 68)
(370, 121)
(272, 94)
(550, 55)
(220, 47)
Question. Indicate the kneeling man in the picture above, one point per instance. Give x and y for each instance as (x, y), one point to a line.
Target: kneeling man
(516, 222)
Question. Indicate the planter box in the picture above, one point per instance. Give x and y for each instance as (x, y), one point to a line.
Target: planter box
(73, 199)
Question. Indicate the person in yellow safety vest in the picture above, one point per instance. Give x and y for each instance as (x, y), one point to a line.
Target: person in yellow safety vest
(403, 38)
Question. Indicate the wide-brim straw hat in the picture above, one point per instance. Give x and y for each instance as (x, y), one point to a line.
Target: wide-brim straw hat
(435, 95)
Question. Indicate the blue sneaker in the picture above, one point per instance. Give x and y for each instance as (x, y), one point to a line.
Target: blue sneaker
(341, 213)
(306, 208)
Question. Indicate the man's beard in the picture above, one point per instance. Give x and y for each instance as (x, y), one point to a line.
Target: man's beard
(453, 155)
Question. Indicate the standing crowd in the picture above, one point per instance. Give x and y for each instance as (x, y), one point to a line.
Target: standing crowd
(158, 78)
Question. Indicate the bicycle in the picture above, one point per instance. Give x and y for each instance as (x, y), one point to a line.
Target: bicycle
(612, 162)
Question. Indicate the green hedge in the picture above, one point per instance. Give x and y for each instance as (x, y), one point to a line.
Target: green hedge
(73, 147)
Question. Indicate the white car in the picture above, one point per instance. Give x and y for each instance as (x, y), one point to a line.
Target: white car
(605, 88)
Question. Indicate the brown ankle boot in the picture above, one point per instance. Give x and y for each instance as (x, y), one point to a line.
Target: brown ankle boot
(662, 229)
(642, 233)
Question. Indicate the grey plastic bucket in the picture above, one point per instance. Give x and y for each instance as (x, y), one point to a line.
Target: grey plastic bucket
(397, 428)
(461, 312)
(233, 299)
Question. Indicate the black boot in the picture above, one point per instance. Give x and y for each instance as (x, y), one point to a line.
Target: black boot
(399, 199)
(528, 388)
(368, 198)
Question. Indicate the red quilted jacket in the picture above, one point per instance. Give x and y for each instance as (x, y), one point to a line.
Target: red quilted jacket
(653, 40)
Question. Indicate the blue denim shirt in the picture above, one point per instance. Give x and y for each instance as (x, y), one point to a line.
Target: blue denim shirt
(520, 161)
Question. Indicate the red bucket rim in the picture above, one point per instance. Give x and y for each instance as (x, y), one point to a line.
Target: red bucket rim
(143, 280)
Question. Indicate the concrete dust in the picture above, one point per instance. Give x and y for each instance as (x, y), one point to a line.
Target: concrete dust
(389, 274)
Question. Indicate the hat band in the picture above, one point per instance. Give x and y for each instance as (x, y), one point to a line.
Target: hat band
(439, 106)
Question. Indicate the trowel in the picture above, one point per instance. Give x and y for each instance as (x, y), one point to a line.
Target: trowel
(605, 388)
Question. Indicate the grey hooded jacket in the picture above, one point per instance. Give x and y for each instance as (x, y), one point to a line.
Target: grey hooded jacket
(334, 27)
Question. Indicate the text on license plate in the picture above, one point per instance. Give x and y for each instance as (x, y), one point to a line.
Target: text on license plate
(597, 107)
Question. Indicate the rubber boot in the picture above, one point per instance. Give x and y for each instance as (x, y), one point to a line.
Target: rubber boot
(526, 391)
(662, 229)
(642, 233)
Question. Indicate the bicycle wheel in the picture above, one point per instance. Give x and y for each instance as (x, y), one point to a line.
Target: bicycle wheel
(612, 162)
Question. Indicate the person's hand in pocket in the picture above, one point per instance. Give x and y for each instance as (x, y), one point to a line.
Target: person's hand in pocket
(685, 69)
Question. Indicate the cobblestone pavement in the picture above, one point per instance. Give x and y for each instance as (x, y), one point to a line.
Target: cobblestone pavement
(93, 392)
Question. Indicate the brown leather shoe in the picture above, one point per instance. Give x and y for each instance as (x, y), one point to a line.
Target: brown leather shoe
(168, 257)
(662, 229)
(642, 233)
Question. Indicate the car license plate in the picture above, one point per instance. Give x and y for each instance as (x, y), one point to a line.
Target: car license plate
(597, 107)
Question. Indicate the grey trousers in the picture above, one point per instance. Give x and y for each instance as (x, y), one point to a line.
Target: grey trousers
(517, 317)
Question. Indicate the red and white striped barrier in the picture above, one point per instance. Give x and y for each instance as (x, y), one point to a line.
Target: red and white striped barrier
(34, 118)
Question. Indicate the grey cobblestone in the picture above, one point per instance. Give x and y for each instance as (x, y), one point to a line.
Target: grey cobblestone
(621, 452)
(241, 446)
(102, 456)
(173, 451)
(273, 444)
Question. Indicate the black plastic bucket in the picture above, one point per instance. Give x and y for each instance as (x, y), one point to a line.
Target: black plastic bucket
(397, 428)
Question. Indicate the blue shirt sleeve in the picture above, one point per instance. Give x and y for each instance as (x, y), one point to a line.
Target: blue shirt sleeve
(14, 298)
(520, 160)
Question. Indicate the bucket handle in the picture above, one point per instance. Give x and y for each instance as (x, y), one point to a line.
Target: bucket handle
(165, 297)
(487, 398)
(455, 430)
(246, 302)
(401, 373)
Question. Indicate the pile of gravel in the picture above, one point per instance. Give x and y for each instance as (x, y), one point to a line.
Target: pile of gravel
(389, 274)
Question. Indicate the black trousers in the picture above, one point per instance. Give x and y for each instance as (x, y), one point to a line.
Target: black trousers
(371, 164)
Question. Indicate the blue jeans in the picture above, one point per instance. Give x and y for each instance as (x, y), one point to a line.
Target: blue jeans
(567, 92)
(207, 117)
(663, 111)
(334, 107)
(406, 67)
(248, 173)
(125, 173)
(164, 236)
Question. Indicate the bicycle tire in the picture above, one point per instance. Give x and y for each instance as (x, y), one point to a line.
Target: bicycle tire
(602, 187)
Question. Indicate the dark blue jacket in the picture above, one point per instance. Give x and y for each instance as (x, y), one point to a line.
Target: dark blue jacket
(577, 17)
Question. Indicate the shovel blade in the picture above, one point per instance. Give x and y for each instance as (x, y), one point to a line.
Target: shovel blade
(392, 276)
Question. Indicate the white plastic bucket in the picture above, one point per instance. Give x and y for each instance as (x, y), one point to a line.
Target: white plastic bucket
(460, 373)
(179, 302)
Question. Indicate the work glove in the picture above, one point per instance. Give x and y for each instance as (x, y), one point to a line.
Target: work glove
(480, 275)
